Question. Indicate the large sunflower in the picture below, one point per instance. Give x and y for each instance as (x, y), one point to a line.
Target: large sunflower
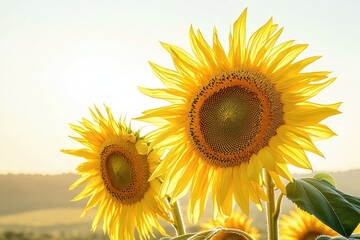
(300, 225)
(237, 221)
(116, 170)
(232, 115)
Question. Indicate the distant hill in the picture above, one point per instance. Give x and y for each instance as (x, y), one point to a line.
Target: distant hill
(46, 198)
(21, 193)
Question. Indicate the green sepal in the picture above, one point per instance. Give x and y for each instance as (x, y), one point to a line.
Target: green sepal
(326, 177)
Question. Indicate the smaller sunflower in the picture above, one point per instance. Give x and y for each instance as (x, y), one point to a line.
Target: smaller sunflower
(237, 221)
(117, 168)
(301, 225)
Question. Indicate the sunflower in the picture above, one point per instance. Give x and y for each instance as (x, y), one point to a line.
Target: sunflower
(301, 225)
(237, 221)
(232, 115)
(117, 167)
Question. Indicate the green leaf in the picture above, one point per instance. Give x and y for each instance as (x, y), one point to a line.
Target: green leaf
(352, 237)
(194, 236)
(339, 211)
(205, 235)
(210, 233)
(326, 177)
(181, 237)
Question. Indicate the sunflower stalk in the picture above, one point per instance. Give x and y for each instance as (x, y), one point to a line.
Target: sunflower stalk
(278, 206)
(178, 220)
(272, 213)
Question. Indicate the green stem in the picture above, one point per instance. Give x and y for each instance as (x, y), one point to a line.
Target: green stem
(278, 206)
(178, 220)
(270, 208)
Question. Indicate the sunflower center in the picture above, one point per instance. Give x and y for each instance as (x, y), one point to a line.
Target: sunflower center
(230, 119)
(124, 172)
(119, 171)
(233, 116)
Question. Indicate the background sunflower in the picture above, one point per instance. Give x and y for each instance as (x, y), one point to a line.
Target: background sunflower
(300, 225)
(237, 221)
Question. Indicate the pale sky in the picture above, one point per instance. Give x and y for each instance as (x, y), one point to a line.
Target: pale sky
(57, 58)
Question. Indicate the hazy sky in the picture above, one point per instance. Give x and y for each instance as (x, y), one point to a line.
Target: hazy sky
(57, 58)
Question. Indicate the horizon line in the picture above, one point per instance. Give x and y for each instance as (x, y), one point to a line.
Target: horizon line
(302, 171)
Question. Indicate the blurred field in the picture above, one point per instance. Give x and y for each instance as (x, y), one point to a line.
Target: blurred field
(48, 217)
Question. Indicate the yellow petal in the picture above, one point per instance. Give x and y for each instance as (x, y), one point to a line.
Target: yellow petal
(238, 41)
